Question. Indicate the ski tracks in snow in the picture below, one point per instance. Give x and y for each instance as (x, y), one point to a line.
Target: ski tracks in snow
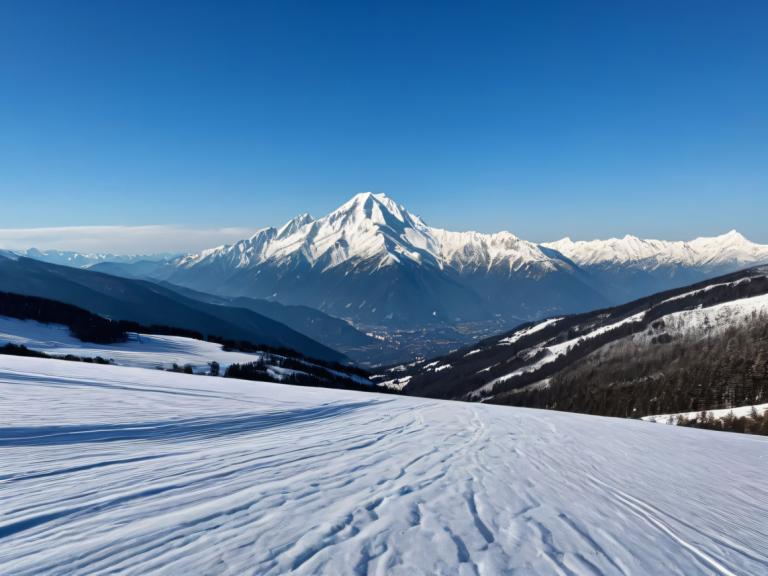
(221, 476)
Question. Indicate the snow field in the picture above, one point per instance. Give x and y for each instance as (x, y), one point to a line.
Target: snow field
(113, 469)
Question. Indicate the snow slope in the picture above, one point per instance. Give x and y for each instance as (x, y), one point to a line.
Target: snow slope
(739, 412)
(704, 322)
(132, 471)
(141, 350)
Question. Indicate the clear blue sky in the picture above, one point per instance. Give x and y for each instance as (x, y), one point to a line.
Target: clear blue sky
(587, 119)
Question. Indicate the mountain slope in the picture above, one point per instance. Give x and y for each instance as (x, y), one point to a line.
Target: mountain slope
(110, 469)
(308, 321)
(167, 352)
(375, 263)
(148, 303)
(616, 360)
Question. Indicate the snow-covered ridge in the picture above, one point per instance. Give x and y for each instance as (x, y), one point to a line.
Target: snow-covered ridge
(108, 469)
(726, 249)
(373, 227)
(703, 322)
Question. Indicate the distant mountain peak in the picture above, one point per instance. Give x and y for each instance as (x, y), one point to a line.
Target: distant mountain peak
(729, 248)
(87, 259)
(372, 227)
(373, 261)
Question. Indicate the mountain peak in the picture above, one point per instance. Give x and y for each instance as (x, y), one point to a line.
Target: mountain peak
(734, 235)
(377, 208)
(295, 224)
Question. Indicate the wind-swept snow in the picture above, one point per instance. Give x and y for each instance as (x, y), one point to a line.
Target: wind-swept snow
(132, 471)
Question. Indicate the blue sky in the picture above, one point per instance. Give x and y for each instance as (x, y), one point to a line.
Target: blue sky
(588, 119)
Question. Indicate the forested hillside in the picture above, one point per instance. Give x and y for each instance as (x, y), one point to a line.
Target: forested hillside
(689, 373)
(704, 347)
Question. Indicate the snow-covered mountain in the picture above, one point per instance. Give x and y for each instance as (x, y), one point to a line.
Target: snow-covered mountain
(631, 267)
(372, 261)
(372, 228)
(84, 260)
(731, 249)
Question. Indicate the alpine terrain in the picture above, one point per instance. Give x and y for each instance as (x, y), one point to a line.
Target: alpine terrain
(383, 269)
(702, 347)
(373, 262)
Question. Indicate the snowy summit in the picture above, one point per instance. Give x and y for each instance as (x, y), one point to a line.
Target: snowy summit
(374, 228)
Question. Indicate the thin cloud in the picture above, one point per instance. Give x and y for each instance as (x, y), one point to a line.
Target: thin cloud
(121, 239)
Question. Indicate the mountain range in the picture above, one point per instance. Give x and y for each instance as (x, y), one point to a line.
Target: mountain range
(379, 284)
(630, 267)
(373, 263)
(87, 259)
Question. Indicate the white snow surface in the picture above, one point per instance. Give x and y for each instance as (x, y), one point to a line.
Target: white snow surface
(141, 350)
(738, 411)
(109, 469)
(727, 249)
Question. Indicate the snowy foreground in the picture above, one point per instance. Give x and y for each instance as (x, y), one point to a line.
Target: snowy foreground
(129, 470)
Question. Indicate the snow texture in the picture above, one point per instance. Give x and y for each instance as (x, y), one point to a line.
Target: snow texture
(109, 469)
